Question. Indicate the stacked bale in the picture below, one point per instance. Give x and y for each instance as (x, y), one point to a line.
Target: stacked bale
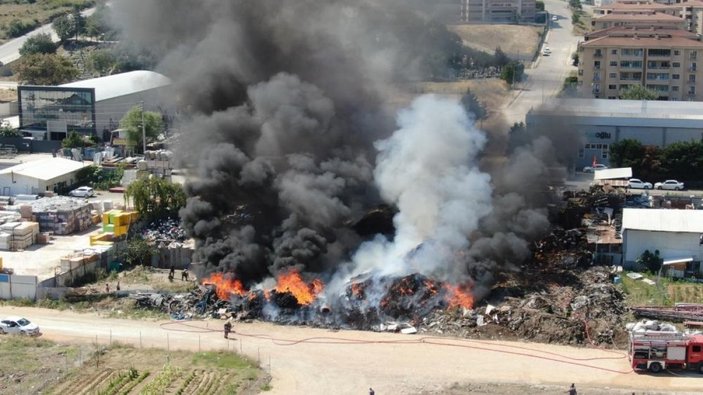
(61, 215)
(117, 222)
(18, 235)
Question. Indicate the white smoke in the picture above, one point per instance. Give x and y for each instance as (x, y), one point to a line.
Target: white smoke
(429, 170)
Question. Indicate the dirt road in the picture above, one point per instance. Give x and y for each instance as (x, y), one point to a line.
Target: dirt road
(316, 361)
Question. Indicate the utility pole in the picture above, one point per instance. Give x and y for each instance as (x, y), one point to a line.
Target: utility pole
(143, 132)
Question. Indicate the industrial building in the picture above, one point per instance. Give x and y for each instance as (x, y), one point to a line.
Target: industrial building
(90, 107)
(498, 11)
(600, 123)
(39, 176)
(676, 234)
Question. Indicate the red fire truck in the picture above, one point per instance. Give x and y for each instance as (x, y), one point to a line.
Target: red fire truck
(656, 351)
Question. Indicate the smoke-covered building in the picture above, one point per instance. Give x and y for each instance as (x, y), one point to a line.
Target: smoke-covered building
(498, 11)
(88, 107)
(603, 122)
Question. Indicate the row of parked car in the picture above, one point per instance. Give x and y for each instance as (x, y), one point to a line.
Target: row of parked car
(636, 183)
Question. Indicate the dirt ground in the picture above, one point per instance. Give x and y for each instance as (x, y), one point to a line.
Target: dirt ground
(304, 360)
(514, 40)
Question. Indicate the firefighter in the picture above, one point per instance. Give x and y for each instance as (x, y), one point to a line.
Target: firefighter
(228, 328)
(572, 389)
(371, 391)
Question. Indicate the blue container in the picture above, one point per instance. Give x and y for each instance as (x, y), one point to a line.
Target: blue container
(617, 280)
(88, 153)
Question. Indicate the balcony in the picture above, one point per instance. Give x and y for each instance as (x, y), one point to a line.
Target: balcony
(598, 54)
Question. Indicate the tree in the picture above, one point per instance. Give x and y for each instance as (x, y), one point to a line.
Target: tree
(102, 61)
(156, 198)
(17, 27)
(6, 131)
(638, 92)
(78, 22)
(653, 262)
(627, 153)
(512, 72)
(40, 43)
(98, 26)
(132, 122)
(471, 104)
(46, 69)
(63, 26)
(138, 252)
(73, 140)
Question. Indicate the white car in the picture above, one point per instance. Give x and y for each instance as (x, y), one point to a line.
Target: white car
(669, 184)
(546, 51)
(19, 326)
(82, 192)
(555, 18)
(591, 169)
(636, 183)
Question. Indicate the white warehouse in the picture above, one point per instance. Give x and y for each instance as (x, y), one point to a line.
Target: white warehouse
(676, 234)
(38, 176)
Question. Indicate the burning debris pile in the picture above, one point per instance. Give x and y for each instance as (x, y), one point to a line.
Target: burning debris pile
(590, 311)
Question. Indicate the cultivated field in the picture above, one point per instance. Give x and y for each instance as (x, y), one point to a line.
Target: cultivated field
(35, 365)
(514, 40)
(668, 293)
(42, 11)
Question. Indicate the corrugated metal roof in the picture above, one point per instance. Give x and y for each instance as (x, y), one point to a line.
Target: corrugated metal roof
(663, 220)
(45, 169)
(122, 84)
(610, 174)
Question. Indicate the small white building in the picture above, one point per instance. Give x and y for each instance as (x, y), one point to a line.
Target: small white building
(38, 176)
(676, 234)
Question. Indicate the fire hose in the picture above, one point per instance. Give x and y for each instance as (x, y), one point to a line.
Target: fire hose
(435, 341)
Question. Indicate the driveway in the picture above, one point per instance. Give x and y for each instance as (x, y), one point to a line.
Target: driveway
(545, 80)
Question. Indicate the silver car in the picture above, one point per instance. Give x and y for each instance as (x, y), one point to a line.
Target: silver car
(82, 192)
(636, 183)
(670, 185)
(18, 326)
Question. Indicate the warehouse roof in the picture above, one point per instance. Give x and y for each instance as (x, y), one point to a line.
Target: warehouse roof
(44, 169)
(663, 220)
(122, 84)
(651, 109)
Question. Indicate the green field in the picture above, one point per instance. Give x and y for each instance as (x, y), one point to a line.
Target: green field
(666, 293)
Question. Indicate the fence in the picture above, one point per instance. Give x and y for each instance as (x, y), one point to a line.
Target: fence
(18, 287)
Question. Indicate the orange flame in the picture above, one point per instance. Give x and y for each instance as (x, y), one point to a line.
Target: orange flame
(293, 283)
(224, 286)
(459, 296)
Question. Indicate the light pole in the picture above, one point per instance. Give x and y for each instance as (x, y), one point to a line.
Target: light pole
(143, 132)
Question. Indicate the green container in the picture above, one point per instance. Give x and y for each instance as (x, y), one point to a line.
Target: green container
(108, 228)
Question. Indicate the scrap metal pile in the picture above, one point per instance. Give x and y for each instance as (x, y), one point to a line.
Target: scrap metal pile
(167, 230)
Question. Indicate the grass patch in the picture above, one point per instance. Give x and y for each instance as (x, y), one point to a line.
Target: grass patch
(221, 359)
(666, 293)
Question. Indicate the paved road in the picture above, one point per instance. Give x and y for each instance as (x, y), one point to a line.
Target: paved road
(9, 52)
(546, 79)
(306, 360)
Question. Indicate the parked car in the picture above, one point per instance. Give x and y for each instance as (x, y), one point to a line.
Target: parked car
(555, 18)
(546, 51)
(636, 183)
(669, 184)
(591, 169)
(19, 326)
(82, 192)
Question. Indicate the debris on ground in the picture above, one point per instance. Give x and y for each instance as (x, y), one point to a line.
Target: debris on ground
(168, 230)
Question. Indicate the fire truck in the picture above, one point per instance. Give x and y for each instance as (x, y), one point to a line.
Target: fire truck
(656, 351)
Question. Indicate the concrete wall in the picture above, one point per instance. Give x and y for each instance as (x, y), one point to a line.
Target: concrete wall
(670, 245)
(18, 287)
(166, 257)
(14, 184)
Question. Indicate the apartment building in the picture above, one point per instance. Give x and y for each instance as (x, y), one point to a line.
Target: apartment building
(498, 11)
(645, 19)
(663, 61)
(691, 12)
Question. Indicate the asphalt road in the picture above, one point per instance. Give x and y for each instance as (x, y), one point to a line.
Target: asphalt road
(9, 52)
(305, 360)
(545, 80)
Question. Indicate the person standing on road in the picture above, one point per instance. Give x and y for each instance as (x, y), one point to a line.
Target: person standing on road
(228, 328)
(184, 275)
(572, 389)
(107, 288)
(371, 391)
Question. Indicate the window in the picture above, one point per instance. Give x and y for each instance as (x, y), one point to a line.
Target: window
(612, 87)
(587, 146)
(676, 64)
(634, 64)
(674, 88)
(614, 52)
(599, 146)
(696, 349)
(614, 63)
(613, 75)
(596, 64)
(675, 76)
(692, 90)
(604, 154)
(581, 153)
(693, 55)
(632, 52)
(692, 67)
(691, 78)
(677, 52)
(659, 52)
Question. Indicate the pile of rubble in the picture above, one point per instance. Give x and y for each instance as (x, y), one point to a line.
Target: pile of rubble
(168, 230)
(589, 311)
